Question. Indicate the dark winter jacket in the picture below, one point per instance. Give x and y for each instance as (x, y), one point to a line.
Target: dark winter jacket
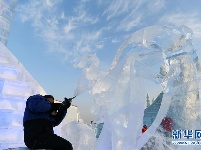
(38, 107)
(38, 122)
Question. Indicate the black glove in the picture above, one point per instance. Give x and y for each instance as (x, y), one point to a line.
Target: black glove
(66, 103)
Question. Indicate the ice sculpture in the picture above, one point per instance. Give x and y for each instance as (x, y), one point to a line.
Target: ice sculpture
(163, 55)
(80, 135)
(16, 84)
(6, 15)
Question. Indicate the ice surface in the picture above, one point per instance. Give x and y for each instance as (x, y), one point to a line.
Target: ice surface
(16, 85)
(160, 54)
(6, 13)
(163, 55)
(80, 135)
(90, 74)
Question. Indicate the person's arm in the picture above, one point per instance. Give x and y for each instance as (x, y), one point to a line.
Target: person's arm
(62, 111)
(37, 103)
(60, 116)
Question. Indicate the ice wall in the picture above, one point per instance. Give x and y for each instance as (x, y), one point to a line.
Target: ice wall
(163, 55)
(6, 14)
(16, 85)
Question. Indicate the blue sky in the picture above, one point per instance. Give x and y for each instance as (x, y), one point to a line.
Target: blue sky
(49, 36)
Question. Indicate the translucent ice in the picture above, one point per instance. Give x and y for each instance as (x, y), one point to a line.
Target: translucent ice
(6, 12)
(90, 74)
(80, 135)
(163, 55)
(16, 85)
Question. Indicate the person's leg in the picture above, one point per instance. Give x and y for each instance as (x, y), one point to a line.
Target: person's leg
(53, 142)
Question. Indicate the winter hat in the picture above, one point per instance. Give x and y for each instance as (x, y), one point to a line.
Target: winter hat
(48, 96)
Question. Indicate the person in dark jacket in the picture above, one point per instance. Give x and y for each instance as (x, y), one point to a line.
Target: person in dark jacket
(40, 116)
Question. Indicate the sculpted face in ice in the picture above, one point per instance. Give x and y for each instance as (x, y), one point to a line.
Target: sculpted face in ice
(162, 55)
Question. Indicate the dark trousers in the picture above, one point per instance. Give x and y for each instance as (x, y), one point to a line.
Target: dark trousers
(39, 134)
(52, 142)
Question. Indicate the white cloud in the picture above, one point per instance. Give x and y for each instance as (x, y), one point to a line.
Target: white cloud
(87, 42)
(115, 41)
(70, 26)
(78, 30)
(63, 35)
(129, 22)
(81, 15)
(156, 5)
(134, 11)
(191, 20)
(50, 3)
(99, 46)
(118, 7)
